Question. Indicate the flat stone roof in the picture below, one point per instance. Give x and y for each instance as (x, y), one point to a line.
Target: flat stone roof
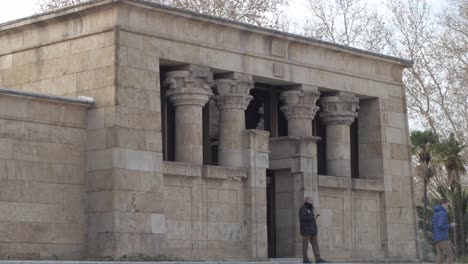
(268, 31)
(84, 100)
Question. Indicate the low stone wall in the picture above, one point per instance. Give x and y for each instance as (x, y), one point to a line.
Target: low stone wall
(205, 212)
(42, 183)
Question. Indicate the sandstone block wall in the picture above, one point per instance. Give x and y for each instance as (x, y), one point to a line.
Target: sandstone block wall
(205, 212)
(42, 178)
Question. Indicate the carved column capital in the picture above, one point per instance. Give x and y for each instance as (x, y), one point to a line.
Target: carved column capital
(339, 109)
(299, 104)
(189, 85)
(232, 91)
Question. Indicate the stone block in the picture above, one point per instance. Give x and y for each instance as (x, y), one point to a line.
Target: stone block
(69, 234)
(96, 78)
(222, 196)
(148, 202)
(12, 106)
(17, 75)
(89, 43)
(133, 222)
(41, 110)
(70, 194)
(102, 222)
(218, 212)
(371, 169)
(138, 119)
(133, 98)
(101, 244)
(152, 82)
(99, 159)
(49, 68)
(279, 48)
(44, 192)
(182, 169)
(14, 191)
(24, 232)
(134, 245)
(12, 129)
(25, 57)
(396, 120)
(225, 231)
(131, 40)
(96, 139)
(95, 119)
(137, 58)
(393, 104)
(133, 159)
(7, 147)
(399, 152)
(176, 229)
(53, 51)
(132, 180)
(395, 135)
(100, 201)
(6, 61)
(100, 180)
(158, 224)
(7, 170)
(73, 154)
(131, 77)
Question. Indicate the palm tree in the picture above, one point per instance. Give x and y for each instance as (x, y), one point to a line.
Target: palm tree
(422, 143)
(448, 153)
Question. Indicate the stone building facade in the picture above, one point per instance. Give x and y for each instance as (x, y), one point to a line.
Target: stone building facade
(202, 139)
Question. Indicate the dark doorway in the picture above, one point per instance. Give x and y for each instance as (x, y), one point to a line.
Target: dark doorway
(271, 213)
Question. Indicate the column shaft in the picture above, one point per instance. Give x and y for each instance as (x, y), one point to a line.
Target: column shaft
(189, 134)
(300, 127)
(338, 150)
(230, 137)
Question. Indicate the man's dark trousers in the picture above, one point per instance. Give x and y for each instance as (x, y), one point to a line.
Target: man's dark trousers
(305, 245)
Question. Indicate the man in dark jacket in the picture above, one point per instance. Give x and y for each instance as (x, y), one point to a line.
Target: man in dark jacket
(309, 231)
(440, 228)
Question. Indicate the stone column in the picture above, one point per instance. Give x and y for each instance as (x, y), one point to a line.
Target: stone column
(338, 113)
(232, 98)
(189, 90)
(299, 110)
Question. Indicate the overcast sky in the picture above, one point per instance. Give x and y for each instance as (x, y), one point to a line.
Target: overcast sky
(14, 9)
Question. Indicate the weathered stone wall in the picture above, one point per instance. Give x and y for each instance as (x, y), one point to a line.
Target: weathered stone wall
(205, 212)
(352, 218)
(42, 178)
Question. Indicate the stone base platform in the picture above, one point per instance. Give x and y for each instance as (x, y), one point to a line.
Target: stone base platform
(268, 261)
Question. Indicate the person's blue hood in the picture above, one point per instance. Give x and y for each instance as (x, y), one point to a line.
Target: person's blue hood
(438, 208)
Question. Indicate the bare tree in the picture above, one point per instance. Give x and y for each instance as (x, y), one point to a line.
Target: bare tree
(258, 12)
(347, 22)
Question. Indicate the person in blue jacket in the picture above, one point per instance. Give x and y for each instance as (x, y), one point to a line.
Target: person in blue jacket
(440, 228)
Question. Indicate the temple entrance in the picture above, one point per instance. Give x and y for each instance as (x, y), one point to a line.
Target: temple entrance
(271, 213)
(280, 214)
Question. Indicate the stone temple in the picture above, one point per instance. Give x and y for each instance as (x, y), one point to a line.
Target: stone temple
(130, 129)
